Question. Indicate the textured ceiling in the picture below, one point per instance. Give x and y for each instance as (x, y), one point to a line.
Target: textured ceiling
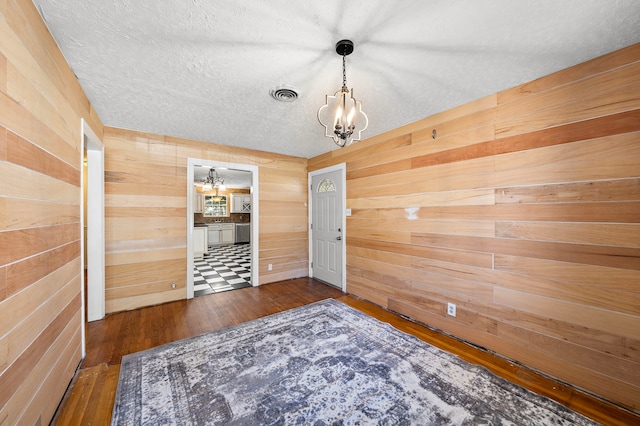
(203, 69)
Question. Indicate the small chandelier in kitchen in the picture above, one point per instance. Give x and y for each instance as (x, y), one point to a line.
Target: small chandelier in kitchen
(342, 115)
(212, 181)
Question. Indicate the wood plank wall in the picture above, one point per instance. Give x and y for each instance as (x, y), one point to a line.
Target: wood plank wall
(146, 214)
(41, 104)
(524, 212)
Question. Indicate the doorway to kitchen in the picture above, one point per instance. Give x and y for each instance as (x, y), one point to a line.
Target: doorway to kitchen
(222, 226)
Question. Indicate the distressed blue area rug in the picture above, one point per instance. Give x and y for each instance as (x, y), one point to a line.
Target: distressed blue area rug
(321, 364)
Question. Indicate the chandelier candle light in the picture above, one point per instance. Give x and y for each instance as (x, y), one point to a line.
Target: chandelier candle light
(342, 115)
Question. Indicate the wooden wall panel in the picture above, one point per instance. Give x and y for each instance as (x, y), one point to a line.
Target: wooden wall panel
(609, 93)
(588, 192)
(60, 361)
(146, 214)
(611, 278)
(41, 104)
(523, 212)
(438, 226)
(592, 67)
(17, 182)
(626, 235)
(3, 73)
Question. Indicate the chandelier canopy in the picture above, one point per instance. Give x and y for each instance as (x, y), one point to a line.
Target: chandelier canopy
(342, 115)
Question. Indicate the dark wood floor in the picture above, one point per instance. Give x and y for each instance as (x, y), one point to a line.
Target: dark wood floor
(89, 399)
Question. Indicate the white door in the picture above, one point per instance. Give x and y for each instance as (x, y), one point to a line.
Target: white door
(326, 227)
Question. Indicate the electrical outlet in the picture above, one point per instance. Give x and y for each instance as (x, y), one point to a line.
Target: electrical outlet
(173, 285)
(451, 309)
(270, 267)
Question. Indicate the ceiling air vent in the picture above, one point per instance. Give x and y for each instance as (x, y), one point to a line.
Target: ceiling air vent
(284, 94)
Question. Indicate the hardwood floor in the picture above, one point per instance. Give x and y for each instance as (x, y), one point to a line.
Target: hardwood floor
(89, 399)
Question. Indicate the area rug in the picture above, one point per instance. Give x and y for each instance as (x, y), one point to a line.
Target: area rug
(320, 364)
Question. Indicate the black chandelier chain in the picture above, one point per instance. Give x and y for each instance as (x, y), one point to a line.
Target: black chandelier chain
(344, 72)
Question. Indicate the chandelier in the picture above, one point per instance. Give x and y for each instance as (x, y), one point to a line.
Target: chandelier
(213, 181)
(342, 115)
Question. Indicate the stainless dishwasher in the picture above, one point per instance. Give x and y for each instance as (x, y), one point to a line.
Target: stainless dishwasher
(243, 232)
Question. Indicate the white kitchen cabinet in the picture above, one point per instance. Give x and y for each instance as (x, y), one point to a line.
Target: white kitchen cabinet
(200, 243)
(198, 201)
(214, 235)
(240, 203)
(227, 234)
(221, 233)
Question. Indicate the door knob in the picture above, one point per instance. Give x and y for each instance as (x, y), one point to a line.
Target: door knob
(338, 238)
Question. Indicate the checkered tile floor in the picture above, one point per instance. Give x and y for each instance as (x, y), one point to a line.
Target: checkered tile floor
(224, 268)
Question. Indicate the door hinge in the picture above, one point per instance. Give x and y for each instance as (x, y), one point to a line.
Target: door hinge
(311, 265)
(311, 225)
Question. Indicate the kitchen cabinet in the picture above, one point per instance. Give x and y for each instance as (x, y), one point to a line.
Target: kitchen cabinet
(227, 234)
(200, 243)
(221, 233)
(215, 206)
(198, 201)
(240, 203)
(214, 235)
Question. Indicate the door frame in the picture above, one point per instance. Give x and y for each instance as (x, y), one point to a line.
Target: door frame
(95, 247)
(255, 211)
(342, 167)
